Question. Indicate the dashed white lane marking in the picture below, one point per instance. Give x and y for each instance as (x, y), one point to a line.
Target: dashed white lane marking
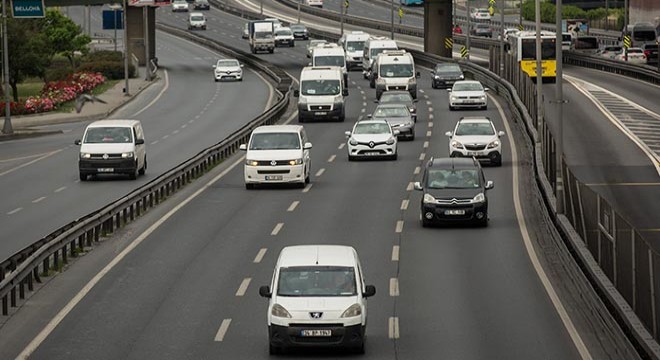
(404, 204)
(364, 104)
(293, 206)
(165, 137)
(60, 189)
(320, 172)
(394, 287)
(430, 109)
(175, 132)
(421, 91)
(244, 286)
(341, 146)
(38, 199)
(222, 331)
(153, 142)
(363, 110)
(277, 229)
(353, 82)
(15, 211)
(332, 158)
(307, 188)
(429, 133)
(410, 186)
(428, 102)
(184, 126)
(393, 328)
(361, 91)
(426, 144)
(431, 116)
(426, 96)
(399, 226)
(395, 253)
(422, 156)
(260, 255)
(191, 121)
(430, 124)
(417, 170)
(197, 116)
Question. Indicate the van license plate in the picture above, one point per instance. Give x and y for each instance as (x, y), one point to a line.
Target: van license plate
(273, 177)
(105, 170)
(316, 333)
(455, 212)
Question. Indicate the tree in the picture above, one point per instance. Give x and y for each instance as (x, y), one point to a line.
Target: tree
(64, 36)
(29, 51)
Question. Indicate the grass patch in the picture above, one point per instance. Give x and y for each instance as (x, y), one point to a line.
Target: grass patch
(70, 106)
(31, 88)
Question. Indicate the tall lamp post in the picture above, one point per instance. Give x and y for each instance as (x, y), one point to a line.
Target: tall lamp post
(539, 74)
(559, 103)
(392, 19)
(126, 55)
(467, 37)
(342, 8)
(7, 128)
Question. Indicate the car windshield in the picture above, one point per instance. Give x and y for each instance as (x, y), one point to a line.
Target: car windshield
(179, 2)
(447, 69)
(396, 70)
(298, 27)
(396, 98)
(373, 128)
(316, 281)
(275, 141)
(314, 43)
(196, 18)
(263, 35)
(355, 45)
(635, 51)
(467, 87)
(452, 179)
(283, 32)
(225, 63)
(644, 35)
(319, 87)
(376, 51)
(474, 128)
(482, 26)
(385, 112)
(100, 135)
(329, 60)
(483, 11)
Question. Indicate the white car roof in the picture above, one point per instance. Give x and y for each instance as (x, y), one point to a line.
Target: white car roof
(321, 50)
(113, 123)
(475, 119)
(321, 255)
(382, 43)
(277, 129)
(196, 14)
(467, 82)
(320, 73)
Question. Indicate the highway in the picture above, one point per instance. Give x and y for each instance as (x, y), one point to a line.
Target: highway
(188, 287)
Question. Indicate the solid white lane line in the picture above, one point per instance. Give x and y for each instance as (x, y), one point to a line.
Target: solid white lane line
(153, 142)
(15, 211)
(162, 91)
(320, 172)
(522, 224)
(426, 144)
(410, 186)
(399, 226)
(277, 229)
(341, 146)
(60, 189)
(260, 255)
(393, 328)
(422, 156)
(307, 188)
(38, 199)
(293, 206)
(244, 286)
(395, 253)
(404, 204)
(222, 331)
(332, 158)
(394, 287)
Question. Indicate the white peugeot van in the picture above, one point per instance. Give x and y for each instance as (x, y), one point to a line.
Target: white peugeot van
(321, 94)
(395, 70)
(374, 46)
(317, 297)
(353, 43)
(330, 55)
(277, 154)
(112, 147)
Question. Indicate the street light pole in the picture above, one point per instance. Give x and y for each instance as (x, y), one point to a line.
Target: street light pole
(7, 128)
(501, 67)
(126, 54)
(299, 11)
(467, 38)
(625, 29)
(559, 103)
(261, 8)
(539, 73)
(341, 17)
(392, 19)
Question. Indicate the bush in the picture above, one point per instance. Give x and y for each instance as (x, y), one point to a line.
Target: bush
(103, 55)
(572, 12)
(596, 14)
(57, 74)
(113, 70)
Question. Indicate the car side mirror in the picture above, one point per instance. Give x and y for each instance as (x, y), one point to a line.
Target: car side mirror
(486, 89)
(369, 116)
(309, 64)
(77, 142)
(347, 133)
(308, 145)
(214, 66)
(415, 100)
(344, 92)
(417, 75)
(296, 93)
(264, 291)
(489, 185)
(241, 65)
(396, 132)
(376, 101)
(432, 72)
(448, 133)
(501, 133)
(448, 90)
(369, 291)
(242, 147)
(418, 186)
(139, 141)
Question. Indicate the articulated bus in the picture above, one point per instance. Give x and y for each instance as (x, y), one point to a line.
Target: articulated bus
(522, 46)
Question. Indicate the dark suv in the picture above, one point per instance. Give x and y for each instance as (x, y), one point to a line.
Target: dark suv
(454, 192)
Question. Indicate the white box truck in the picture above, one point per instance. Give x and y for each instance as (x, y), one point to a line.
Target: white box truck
(261, 36)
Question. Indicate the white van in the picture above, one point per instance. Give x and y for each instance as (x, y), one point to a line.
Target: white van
(374, 46)
(321, 94)
(395, 70)
(353, 43)
(317, 3)
(196, 20)
(277, 154)
(330, 55)
(112, 147)
(317, 297)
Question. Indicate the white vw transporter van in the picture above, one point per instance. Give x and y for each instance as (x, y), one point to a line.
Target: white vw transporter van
(317, 297)
(321, 94)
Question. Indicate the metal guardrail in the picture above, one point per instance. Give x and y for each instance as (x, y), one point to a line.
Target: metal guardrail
(27, 266)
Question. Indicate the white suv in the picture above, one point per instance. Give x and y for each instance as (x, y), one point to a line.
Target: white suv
(372, 139)
(277, 154)
(317, 297)
(476, 137)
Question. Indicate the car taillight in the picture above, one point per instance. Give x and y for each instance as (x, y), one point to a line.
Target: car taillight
(647, 53)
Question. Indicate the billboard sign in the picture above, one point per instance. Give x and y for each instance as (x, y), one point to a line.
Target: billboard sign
(26, 9)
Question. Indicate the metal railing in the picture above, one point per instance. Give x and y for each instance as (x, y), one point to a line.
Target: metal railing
(19, 273)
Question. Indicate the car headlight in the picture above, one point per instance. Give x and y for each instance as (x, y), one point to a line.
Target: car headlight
(352, 141)
(429, 199)
(352, 311)
(390, 141)
(482, 97)
(454, 98)
(436, 77)
(338, 100)
(279, 311)
(251, 162)
(380, 81)
(412, 81)
(127, 155)
(456, 144)
(462, 77)
(479, 198)
(494, 144)
(295, 162)
(85, 155)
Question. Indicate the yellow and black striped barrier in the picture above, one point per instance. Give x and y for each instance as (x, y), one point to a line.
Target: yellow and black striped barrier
(626, 42)
(464, 52)
(449, 43)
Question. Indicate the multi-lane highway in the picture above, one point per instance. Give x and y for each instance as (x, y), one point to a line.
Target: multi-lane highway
(187, 287)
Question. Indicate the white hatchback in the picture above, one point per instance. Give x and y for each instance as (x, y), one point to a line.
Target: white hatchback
(228, 69)
(277, 154)
(372, 139)
(476, 137)
(468, 94)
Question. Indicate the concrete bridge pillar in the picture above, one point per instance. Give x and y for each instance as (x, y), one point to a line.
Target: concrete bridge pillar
(437, 26)
(135, 29)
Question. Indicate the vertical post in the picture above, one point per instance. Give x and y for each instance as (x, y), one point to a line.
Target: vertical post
(467, 34)
(392, 19)
(521, 14)
(539, 74)
(299, 11)
(559, 94)
(126, 54)
(342, 8)
(652, 287)
(147, 53)
(115, 13)
(625, 28)
(7, 128)
(261, 7)
(501, 67)
(607, 14)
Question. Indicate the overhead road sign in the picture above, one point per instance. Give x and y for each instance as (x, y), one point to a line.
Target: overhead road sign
(113, 19)
(25, 9)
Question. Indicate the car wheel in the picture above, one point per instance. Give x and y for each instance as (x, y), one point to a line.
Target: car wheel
(484, 222)
(144, 167)
(83, 176)
(451, 108)
(485, 107)
(307, 179)
(359, 349)
(412, 137)
(271, 51)
(301, 119)
(394, 157)
(351, 158)
(433, 85)
(134, 174)
(372, 83)
(342, 117)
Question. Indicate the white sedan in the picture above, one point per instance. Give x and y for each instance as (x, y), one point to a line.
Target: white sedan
(468, 94)
(635, 56)
(179, 5)
(372, 139)
(228, 69)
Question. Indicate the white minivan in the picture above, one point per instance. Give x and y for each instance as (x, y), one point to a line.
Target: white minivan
(112, 147)
(374, 46)
(321, 94)
(330, 55)
(277, 154)
(317, 297)
(353, 43)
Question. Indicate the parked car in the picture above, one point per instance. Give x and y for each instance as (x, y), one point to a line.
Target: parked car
(609, 51)
(635, 56)
(399, 118)
(179, 5)
(400, 97)
(480, 29)
(299, 31)
(373, 138)
(446, 74)
(454, 192)
(476, 137)
(228, 69)
(201, 5)
(468, 93)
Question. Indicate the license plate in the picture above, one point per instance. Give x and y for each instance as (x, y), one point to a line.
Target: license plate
(372, 153)
(455, 212)
(105, 170)
(316, 332)
(273, 177)
(319, 113)
(473, 153)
